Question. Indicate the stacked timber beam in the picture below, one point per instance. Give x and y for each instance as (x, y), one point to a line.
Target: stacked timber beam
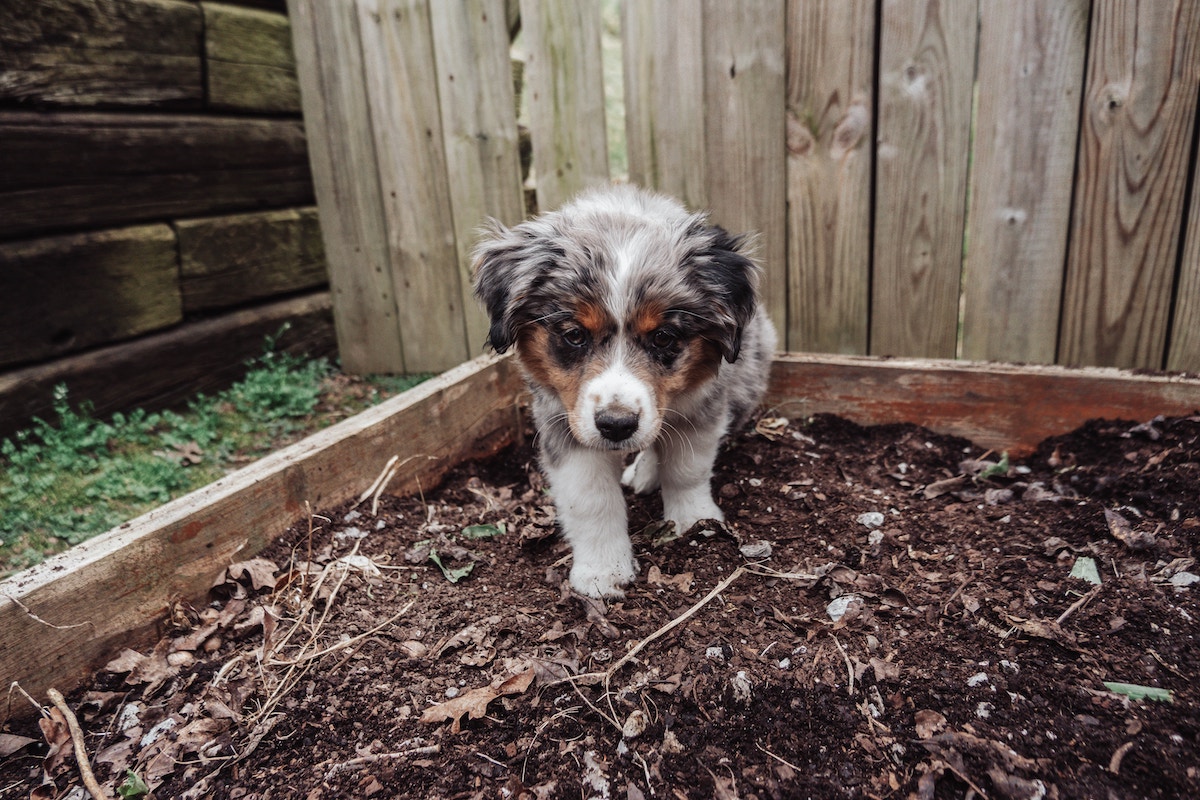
(156, 203)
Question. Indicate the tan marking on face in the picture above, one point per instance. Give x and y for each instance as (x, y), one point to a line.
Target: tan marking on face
(533, 348)
(697, 363)
(647, 319)
(593, 317)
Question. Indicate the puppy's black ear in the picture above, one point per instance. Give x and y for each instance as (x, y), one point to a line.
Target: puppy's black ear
(729, 276)
(497, 257)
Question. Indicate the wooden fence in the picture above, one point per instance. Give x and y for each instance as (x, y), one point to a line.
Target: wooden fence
(994, 180)
(156, 217)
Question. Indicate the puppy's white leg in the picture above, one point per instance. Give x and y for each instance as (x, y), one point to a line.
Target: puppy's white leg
(591, 510)
(642, 474)
(685, 468)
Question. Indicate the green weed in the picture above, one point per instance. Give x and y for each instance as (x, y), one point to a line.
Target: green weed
(65, 480)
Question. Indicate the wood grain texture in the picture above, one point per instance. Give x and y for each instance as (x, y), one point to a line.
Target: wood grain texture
(479, 123)
(67, 293)
(168, 368)
(1184, 351)
(249, 65)
(926, 73)
(663, 56)
(1002, 407)
(564, 80)
(400, 70)
(1031, 62)
(345, 175)
(101, 53)
(118, 585)
(66, 171)
(745, 92)
(830, 72)
(1138, 117)
(231, 260)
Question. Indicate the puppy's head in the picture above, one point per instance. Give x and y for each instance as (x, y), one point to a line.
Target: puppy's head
(621, 303)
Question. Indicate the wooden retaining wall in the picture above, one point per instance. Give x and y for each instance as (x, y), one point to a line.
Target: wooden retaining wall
(156, 201)
(1008, 181)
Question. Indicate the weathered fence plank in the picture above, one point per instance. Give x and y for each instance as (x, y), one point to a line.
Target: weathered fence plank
(1031, 61)
(54, 307)
(143, 167)
(399, 66)
(133, 53)
(1184, 350)
(831, 63)
(479, 123)
(926, 72)
(564, 79)
(342, 150)
(663, 54)
(249, 64)
(745, 91)
(1135, 141)
(230, 260)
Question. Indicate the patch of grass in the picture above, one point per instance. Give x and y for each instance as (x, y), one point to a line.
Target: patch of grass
(66, 480)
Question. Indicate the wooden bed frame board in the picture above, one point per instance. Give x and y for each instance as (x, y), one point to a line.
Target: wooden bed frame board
(62, 619)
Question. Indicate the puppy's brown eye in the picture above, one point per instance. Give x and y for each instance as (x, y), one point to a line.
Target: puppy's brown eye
(662, 339)
(574, 337)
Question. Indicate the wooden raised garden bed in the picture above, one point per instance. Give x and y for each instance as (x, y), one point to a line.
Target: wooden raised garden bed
(66, 618)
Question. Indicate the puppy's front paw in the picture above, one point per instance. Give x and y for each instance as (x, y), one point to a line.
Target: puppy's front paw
(603, 581)
(642, 475)
(687, 514)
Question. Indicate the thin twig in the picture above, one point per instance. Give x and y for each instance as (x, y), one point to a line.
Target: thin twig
(783, 761)
(38, 619)
(81, 757)
(383, 474)
(670, 626)
(346, 643)
(1078, 604)
(375, 758)
(849, 666)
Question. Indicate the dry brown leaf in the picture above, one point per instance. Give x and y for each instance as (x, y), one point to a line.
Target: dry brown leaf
(11, 743)
(260, 572)
(683, 581)
(1123, 532)
(475, 702)
(927, 723)
(58, 737)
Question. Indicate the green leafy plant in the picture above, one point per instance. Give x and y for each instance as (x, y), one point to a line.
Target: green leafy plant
(70, 477)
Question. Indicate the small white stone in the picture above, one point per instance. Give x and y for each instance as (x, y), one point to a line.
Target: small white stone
(743, 690)
(871, 519)
(978, 679)
(837, 609)
(635, 724)
(451, 691)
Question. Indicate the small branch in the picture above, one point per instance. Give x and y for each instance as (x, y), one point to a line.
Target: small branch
(1078, 604)
(376, 758)
(670, 626)
(81, 756)
(38, 619)
(849, 666)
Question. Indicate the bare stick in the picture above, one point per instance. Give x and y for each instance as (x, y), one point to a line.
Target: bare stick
(391, 462)
(377, 757)
(673, 624)
(81, 757)
(38, 619)
(1078, 604)
(849, 666)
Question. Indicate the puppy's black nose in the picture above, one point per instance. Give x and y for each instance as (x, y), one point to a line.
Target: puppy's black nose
(616, 426)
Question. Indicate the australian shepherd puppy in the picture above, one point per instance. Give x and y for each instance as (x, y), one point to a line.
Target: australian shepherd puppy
(638, 327)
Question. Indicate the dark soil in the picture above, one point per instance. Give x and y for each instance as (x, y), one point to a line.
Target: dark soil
(965, 660)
